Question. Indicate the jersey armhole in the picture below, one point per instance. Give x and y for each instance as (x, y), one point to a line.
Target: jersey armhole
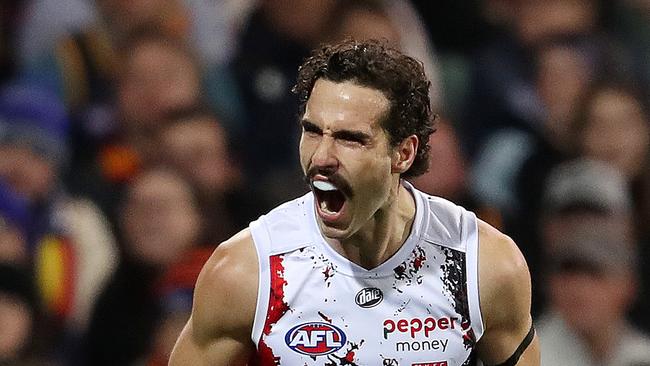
(472, 249)
(262, 248)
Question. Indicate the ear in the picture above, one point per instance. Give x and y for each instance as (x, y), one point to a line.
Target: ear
(404, 154)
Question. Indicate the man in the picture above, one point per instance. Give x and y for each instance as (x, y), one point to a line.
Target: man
(193, 141)
(593, 269)
(70, 248)
(592, 284)
(363, 270)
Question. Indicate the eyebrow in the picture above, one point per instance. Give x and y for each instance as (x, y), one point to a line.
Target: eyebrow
(310, 126)
(341, 134)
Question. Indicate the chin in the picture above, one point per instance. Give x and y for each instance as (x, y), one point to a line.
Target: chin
(333, 233)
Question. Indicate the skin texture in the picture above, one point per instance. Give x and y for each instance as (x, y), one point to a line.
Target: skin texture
(161, 219)
(29, 173)
(343, 138)
(623, 144)
(198, 148)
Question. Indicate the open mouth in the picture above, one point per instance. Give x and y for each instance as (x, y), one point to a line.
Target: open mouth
(330, 199)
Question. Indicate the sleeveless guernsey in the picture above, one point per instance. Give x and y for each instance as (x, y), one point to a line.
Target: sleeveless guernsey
(419, 308)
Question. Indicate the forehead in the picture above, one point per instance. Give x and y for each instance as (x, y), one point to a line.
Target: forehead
(156, 185)
(194, 128)
(345, 105)
(152, 55)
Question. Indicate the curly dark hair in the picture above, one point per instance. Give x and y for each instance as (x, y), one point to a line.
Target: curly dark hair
(375, 65)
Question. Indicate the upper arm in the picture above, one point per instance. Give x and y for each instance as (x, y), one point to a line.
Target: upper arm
(505, 296)
(218, 331)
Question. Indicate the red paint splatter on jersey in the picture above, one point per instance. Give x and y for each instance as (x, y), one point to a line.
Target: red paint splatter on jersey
(469, 338)
(328, 272)
(265, 356)
(417, 262)
(349, 356)
(408, 270)
(348, 359)
(276, 309)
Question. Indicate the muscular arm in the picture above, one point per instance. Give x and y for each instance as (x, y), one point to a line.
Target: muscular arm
(218, 331)
(505, 296)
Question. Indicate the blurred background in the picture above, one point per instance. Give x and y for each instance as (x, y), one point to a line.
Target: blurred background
(136, 135)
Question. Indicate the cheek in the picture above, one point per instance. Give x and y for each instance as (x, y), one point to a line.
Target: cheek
(305, 150)
(16, 323)
(372, 175)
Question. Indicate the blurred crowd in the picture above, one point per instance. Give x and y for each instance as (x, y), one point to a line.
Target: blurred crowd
(136, 135)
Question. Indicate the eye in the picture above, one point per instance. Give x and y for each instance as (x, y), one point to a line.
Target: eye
(352, 138)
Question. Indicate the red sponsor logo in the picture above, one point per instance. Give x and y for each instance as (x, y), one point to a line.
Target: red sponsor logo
(437, 363)
(416, 326)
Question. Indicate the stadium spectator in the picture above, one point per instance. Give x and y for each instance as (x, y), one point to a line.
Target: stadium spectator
(592, 284)
(193, 141)
(158, 74)
(592, 193)
(614, 126)
(160, 224)
(70, 248)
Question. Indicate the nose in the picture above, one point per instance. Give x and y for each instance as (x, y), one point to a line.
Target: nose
(324, 157)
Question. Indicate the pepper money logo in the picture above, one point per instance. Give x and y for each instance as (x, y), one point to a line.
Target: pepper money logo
(369, 297)
(315, 339)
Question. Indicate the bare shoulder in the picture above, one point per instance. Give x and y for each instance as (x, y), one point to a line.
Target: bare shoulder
(226, 291)
(505, 298)
(503, 271)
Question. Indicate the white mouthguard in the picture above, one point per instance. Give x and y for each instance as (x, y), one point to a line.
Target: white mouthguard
(323, 185)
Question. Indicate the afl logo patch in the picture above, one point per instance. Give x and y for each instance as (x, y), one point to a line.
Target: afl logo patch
(369, 297)
(315, 339)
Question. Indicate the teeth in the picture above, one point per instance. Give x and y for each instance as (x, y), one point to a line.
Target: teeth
(324, 186)
(323, 206)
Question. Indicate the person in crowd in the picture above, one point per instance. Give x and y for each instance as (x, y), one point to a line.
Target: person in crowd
(502, 88)
(614, 126)
(510, 169)
(84, 69)
(159, 74)
(70, 247)
(593, 193)
(193, 141)
(159, 226)
(592, 284)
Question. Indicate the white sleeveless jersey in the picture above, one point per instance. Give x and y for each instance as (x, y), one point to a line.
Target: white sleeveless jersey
(419, 308)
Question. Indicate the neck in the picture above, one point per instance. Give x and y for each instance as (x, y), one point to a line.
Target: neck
(602, 343)
(385, 232)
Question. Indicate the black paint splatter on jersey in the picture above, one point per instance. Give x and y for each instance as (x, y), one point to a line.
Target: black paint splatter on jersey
(388, 361)
(472, 360)
(348, 359)
(408, 271)
(455, 288)
(402, 307)
(329, 268)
